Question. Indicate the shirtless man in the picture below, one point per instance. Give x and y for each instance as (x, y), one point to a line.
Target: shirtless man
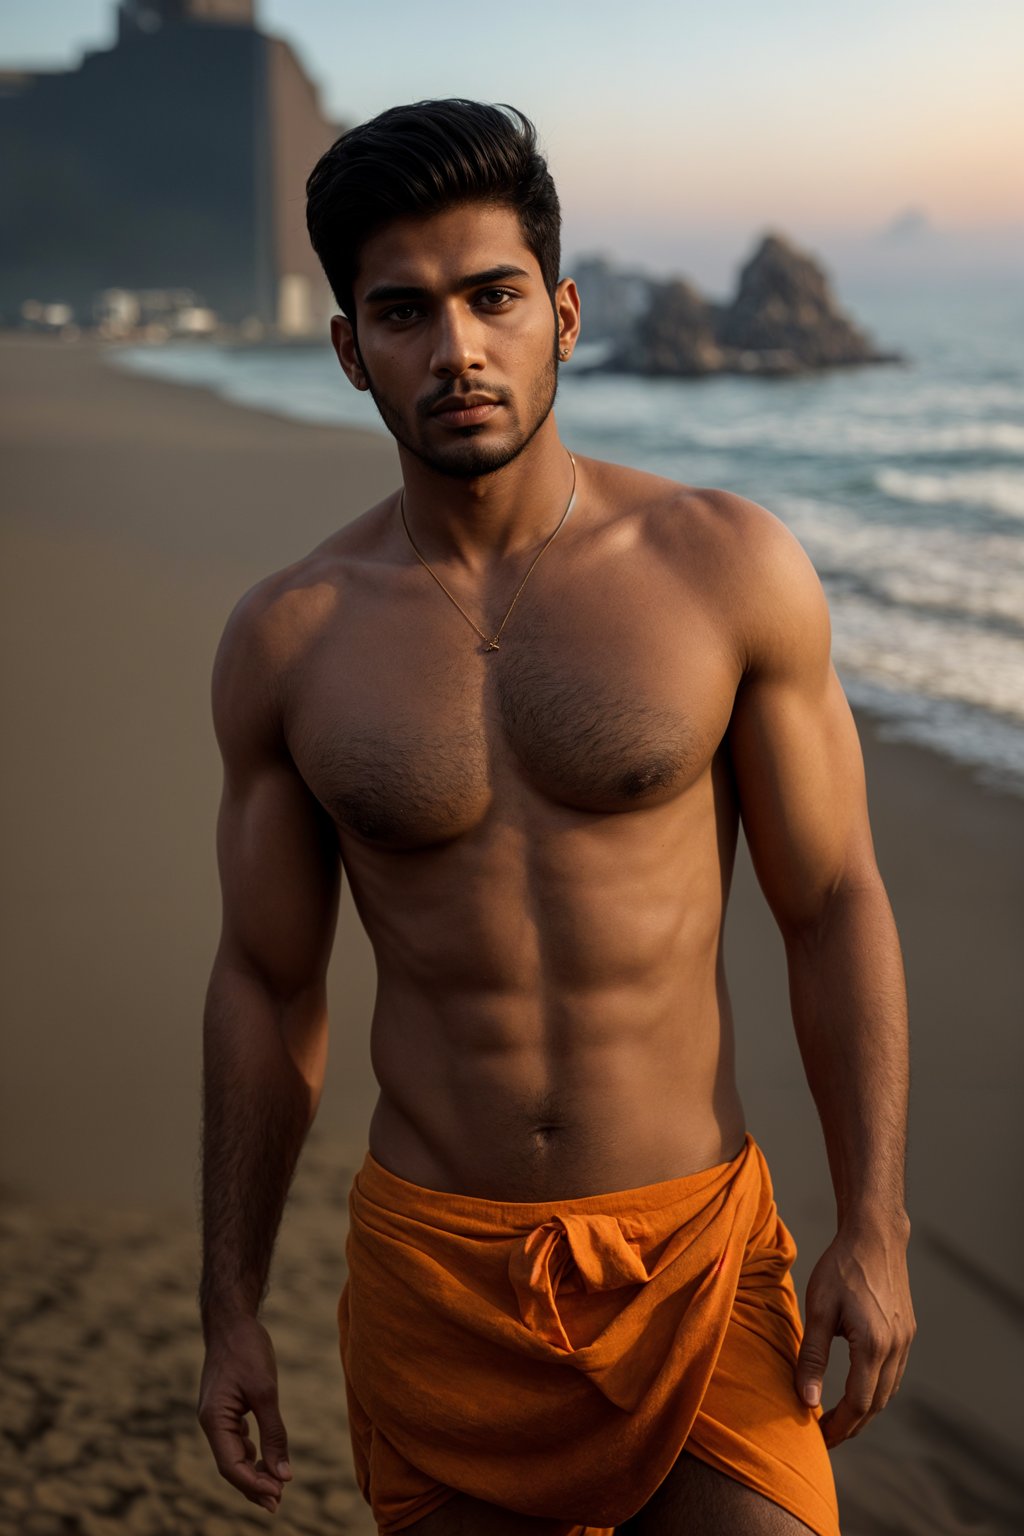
(533, 772)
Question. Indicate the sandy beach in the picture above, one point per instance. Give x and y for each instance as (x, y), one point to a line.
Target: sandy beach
(135, 513)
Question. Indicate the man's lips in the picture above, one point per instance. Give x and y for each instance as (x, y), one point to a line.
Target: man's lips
(464, 410)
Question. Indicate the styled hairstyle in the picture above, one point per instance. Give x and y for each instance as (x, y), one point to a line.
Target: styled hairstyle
(419, 160)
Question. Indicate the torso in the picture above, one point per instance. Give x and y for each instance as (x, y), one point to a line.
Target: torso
(539, 841)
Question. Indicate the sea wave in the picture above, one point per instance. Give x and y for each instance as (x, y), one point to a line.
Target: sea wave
(988, 744)
(839, 436)
(996, 490)
(937, 659)
(963, 573)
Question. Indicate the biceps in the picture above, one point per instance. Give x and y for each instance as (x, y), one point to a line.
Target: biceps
(800, 777)
(280, 880)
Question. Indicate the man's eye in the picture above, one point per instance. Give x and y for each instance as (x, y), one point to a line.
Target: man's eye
(402, 312)
(497, 298)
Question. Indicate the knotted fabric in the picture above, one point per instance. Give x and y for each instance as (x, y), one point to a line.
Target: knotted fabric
(570, 1253)
(556, 1357)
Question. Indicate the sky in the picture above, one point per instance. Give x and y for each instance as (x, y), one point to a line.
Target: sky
(676, 130)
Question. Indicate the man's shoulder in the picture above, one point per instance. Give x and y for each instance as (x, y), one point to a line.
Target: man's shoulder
(732, 554)
(276, 618)
(724, 525)
(275, 624)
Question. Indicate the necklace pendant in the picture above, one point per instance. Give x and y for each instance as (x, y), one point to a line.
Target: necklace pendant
(492, 645)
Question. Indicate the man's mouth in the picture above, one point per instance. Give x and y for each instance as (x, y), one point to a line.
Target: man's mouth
(464, 410)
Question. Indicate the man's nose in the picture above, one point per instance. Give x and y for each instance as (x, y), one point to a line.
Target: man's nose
(457, 344)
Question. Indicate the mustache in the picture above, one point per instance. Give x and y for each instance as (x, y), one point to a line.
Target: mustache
(430, 404)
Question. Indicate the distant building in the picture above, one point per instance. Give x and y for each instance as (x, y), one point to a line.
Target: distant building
(175, 160)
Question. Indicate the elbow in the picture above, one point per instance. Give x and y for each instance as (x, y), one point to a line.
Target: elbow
(269, 1026)
(807, 923)
(304, 1033)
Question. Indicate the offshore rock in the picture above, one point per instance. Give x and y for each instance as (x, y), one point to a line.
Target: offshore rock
(783, 320)
(675, 335)
(786, 306)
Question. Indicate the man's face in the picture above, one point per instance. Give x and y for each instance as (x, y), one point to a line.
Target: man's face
(456, 337)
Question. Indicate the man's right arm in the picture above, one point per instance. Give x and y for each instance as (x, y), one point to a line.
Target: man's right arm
(264, 1036)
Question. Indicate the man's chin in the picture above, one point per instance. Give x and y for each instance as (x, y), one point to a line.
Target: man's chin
(470, 457)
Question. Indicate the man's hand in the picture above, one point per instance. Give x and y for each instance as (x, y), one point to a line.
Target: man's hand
(860, 1289)
(240, 1377)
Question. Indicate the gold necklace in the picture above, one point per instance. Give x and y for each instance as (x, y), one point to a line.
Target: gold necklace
(491, 641)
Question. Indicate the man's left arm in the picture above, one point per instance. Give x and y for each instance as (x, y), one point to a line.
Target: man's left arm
(800, 779)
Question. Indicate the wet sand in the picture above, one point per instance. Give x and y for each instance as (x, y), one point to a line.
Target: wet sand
(135, 513)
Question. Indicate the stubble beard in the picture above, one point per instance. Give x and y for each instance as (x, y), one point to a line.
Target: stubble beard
(468, 458)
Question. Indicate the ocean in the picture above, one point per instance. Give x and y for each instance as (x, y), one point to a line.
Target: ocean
(904, 483)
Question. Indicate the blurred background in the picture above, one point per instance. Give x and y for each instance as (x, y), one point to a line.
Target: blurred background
(798, 233)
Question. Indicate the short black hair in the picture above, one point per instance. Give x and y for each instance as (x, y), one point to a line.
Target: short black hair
(421, 159)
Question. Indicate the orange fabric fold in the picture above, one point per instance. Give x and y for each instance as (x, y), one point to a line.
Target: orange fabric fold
(556, 1357)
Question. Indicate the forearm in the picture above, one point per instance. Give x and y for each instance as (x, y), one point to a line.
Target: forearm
(261, 1082)
(849, 1006)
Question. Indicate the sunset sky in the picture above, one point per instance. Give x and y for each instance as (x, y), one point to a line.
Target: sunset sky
(671, 123)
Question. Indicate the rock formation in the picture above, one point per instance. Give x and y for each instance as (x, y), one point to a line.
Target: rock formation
(675, 335)
(783, 320)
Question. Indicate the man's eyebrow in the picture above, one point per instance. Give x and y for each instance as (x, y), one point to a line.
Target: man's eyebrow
(394, 291)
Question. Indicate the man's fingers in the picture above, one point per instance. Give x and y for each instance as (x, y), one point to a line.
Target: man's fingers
(233, 1464)
(857, 1289)
(814, 1351)
(239, 1381)
(273, 1439)
(846, 1419)
(904, 1357)
(889, 1380)
(248, 1444)
(856, 1405)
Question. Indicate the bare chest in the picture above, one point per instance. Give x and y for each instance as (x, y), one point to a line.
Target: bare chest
(410, 739)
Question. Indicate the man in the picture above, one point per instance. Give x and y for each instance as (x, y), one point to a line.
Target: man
(569, 1304)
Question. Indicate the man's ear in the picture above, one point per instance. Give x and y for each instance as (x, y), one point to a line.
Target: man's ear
(343, 339)
(567, 314)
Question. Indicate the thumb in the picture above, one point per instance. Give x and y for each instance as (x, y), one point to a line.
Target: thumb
(273, 1439)
(813, 1357)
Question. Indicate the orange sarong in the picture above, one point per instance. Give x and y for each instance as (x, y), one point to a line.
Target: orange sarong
(555, 1357)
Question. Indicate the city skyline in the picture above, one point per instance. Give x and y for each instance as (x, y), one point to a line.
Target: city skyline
(892, 133)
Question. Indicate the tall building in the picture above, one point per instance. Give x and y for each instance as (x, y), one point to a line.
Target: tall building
(175, 160)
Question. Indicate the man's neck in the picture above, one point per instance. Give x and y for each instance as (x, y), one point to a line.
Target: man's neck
(478, 522)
